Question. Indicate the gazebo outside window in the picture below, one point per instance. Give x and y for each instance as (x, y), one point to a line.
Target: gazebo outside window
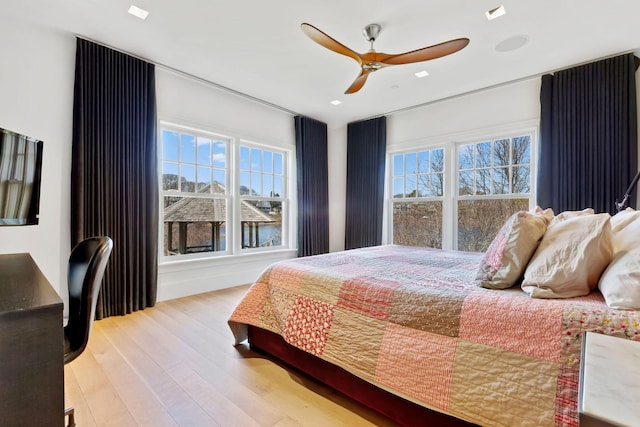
(194, 224)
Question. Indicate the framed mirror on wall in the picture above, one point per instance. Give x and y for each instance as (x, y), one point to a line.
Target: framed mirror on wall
(20, 176)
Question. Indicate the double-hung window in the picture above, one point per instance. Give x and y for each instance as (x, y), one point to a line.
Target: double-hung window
(220, 194)
(195, 194)
(262, 196)
(458, 195)
(493, 182)
(418, 194)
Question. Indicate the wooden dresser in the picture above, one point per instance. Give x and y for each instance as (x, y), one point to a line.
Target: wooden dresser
(31, 346)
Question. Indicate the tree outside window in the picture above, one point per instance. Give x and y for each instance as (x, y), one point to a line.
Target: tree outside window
(418, 188)
(492, 180)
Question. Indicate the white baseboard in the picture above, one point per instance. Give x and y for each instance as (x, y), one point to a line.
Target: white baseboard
(184, 278)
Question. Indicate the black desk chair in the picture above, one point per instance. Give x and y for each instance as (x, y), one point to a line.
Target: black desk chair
(86, 269)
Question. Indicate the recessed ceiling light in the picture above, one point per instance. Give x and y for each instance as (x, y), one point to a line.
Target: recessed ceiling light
(495, 13)
(140, 13)
(336, 102)
(421, 74)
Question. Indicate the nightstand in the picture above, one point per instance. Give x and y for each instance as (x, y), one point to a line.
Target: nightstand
(609, 381)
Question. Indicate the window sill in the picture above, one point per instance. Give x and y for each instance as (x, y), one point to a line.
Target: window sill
(225, 260)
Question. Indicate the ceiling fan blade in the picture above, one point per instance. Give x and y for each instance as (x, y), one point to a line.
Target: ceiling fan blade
(427, 53)
(326, 41)
(358, 82)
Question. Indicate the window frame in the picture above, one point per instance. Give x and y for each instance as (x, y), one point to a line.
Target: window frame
(450, 198)
(391, 200)
(233, 246)
(284, 199)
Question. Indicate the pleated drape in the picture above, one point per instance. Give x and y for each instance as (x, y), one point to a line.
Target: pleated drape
(588, 135)
(114, 172)
(366, 154)
(313, 186)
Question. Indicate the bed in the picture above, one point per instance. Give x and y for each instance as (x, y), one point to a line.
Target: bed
(412, 325)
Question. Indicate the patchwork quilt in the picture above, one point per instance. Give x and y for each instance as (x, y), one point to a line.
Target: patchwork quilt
(413, 321)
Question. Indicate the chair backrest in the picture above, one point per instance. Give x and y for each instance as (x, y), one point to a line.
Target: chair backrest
(86, 269)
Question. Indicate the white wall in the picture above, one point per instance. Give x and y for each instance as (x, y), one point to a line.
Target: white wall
(482, 111)
(337, 159)
(36, 84)
(508, 109)
(485, 111)
(192, 103)
(36, 87)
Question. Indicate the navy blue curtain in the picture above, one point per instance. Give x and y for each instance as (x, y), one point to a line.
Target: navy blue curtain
(114, 172)
(313, 187)
(366, 154)
(588, 135)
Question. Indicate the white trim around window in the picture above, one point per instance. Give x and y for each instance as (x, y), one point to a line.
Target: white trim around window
(223, 191)
(451, 144)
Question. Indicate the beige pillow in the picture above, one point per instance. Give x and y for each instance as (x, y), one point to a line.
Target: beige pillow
(562, 216)
(506, 258)
(570, 258)
(620, 282)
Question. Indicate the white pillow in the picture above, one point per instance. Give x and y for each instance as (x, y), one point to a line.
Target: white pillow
(620, 282)
(625, 226)
(571, 257)
(623, 218)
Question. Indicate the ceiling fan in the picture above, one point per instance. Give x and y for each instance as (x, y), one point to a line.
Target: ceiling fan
(372, 60)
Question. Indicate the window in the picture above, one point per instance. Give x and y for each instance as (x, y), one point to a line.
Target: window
(194, 192)
(418, 189)
(461, 206)
(494, 181)
(495, 167)
(201, 201)
(262, 196)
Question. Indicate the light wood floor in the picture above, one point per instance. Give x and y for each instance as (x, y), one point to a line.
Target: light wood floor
(175, 365)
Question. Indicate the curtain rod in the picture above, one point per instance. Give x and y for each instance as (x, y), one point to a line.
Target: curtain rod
(293, 113)
(495, 86)
(196, 78)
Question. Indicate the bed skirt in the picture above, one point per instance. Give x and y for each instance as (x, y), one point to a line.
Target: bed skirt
(401, 411)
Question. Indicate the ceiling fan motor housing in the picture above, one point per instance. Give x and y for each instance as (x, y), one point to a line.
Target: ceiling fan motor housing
(371, 31)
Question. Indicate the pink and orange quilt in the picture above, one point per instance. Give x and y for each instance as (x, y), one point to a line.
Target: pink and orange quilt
(414, 322)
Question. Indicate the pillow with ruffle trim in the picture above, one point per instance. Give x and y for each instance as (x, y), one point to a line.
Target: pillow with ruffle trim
(506, 258)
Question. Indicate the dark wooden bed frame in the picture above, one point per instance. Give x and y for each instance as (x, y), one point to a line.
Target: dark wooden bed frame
(402, 411)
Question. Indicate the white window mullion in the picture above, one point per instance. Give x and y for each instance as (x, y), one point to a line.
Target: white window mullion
(256, 200)
(236, 223)
(448, 191)
(289, 233)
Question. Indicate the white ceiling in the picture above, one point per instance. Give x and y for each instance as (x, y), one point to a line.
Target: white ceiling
(256, 46)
